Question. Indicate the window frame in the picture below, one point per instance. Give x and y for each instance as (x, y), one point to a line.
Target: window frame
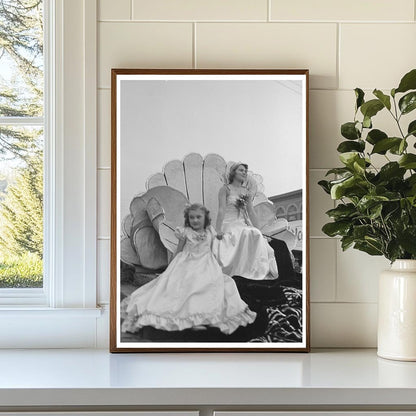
(69, 291)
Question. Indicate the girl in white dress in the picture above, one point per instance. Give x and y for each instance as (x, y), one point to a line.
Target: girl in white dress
(241, 248)
(193, 291)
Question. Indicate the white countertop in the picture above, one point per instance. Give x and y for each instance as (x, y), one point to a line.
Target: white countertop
(96, 377)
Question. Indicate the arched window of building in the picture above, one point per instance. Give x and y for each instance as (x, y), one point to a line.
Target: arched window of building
(292, 213)
(280, 213)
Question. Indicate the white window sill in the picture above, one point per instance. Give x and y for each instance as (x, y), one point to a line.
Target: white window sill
(39, 311)
(40, 327)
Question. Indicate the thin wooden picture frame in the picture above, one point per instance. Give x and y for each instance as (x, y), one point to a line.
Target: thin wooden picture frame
(185, 137)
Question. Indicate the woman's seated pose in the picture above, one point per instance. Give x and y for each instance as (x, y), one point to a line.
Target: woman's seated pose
(240, 247)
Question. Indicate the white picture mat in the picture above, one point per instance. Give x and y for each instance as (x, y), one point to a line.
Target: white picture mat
(255, 119)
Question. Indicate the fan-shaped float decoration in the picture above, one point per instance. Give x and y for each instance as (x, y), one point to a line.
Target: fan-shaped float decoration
(147, 213)
(155, 214)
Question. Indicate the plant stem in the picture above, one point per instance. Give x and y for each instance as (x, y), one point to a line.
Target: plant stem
(397, 118)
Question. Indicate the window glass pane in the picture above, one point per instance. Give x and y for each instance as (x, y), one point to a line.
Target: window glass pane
(21, 58)
(21, 207)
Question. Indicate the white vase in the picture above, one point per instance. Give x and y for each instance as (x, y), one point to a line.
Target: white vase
(397, 312)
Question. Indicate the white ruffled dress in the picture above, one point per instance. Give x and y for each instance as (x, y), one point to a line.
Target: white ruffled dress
(192, 291)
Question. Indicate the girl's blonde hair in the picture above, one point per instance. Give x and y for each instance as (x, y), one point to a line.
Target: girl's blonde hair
(195, 207)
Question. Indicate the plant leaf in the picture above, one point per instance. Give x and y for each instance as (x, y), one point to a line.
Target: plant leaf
(337, 189)
(369, 201)
(411, 130)
(407, 240)
(325, 186)
(368, 248)
(351, 186)
(359, 95)
(337, 171)
(336, 228)
(371, 108)
(393, 250)
(375, 212)
(408, 102)
(367, 122)
(391, 170)
(408, 161)
(385, 99)
(346, 242)
(348, 158)
(342, 211)
(383, 145)
(349, 146)
(361, 231)
(375, 136)
(408, 82)
(398, 149)
(349, 131)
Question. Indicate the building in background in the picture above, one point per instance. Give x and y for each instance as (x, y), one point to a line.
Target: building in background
(288, 205)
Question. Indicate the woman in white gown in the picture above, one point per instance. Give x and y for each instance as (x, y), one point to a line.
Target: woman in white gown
(240, 247)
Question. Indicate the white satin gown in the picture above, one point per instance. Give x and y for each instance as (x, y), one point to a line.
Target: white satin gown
(243, 251)
(192, 291)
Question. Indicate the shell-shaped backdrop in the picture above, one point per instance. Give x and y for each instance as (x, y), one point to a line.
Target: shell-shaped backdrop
(148, 238)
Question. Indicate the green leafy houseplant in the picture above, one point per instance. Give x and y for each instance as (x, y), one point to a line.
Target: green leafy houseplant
(376, 212)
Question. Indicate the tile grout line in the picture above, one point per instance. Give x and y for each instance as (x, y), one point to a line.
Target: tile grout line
(131, 9)
(310, 89)
(308, 22)
(338, 63)
(352, 302)
(194, 63)
(336, 271)
(269, 10)
(322, 237)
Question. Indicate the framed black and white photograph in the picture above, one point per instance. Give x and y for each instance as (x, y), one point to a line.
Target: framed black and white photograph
(209, 215)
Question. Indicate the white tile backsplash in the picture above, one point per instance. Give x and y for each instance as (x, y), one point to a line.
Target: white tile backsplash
(104, 128)
(200, 10)
(142, 45)
(341, 10)
(319, 203)
(114, 10)
(338, 325)
(376, 55)
(345, 44)
(323, 269)
(103, 271)
(104, 202)
(328, 110)
(357, 275)
(271, 45)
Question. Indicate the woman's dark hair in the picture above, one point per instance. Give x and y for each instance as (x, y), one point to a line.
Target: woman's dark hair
(233, 168)
(195, 207)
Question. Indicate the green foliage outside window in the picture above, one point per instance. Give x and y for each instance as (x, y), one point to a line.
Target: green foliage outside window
(21, 146)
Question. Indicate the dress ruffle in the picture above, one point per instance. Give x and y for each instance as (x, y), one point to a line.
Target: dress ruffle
(227, 324)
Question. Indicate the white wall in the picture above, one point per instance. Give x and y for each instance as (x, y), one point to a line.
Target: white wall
(345, 44)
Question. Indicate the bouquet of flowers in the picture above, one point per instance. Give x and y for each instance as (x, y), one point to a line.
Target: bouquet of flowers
(241, 201)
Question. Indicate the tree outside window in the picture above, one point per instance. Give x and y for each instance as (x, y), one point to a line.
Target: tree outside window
(21, 143)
